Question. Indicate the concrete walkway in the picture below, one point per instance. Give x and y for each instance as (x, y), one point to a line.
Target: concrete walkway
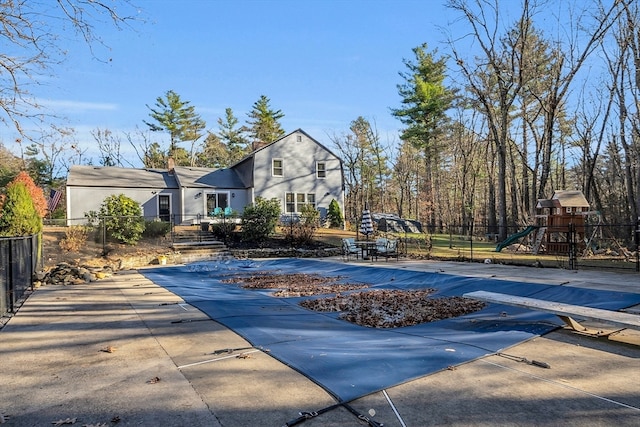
(124, 351)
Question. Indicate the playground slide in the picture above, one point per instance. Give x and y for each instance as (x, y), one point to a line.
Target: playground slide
(509, 240)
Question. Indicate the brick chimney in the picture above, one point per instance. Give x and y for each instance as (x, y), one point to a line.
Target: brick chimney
(171, 164)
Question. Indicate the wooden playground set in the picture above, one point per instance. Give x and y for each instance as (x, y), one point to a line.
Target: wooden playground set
(560, 226)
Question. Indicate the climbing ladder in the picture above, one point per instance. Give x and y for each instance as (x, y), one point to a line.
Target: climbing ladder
(538, 242)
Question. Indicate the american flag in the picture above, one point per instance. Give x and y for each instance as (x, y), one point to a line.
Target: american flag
(54, 199)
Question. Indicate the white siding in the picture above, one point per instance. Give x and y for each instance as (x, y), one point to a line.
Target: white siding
(299, 164)
(81, 200)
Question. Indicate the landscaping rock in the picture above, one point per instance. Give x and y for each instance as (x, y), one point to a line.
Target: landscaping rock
(67, 274)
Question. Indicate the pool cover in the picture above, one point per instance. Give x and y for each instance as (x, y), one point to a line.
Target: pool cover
(351, 361)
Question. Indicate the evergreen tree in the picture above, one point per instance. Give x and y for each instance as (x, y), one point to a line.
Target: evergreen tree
(177, 117)
(214, 153)
(263, 125)
(334, 215)
(18, 214)
(232, 136)
(425, 98)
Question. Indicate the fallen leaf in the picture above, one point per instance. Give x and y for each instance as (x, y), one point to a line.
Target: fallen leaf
(108, 349)
(4, 418)
(243, 356)
(154, 380)
(63, 422)
(115, 419)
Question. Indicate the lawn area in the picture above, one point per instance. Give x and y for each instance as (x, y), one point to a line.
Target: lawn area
(452, 247)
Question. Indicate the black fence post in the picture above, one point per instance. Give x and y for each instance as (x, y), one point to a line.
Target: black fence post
(104, 235)
(172, 227)
(571, 235)
(637, 239)
(471, 240)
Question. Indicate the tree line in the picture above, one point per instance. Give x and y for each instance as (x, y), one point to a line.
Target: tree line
(489, 131)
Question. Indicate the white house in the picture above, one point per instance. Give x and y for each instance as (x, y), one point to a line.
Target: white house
(295, 169)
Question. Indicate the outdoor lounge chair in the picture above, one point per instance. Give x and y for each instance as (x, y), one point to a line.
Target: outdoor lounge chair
(387, 248)
(349, 248)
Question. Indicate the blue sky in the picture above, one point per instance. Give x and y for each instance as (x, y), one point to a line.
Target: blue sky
(323, 63)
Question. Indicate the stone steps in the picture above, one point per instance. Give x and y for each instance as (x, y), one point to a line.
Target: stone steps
(196, 245)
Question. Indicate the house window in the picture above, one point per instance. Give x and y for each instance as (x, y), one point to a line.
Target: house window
(216, 200)
(290, 205)
(321, 170)
(301, 200)
(295, 201)
(311, 200)
(277, 169)
(568, 210)
(298, 138)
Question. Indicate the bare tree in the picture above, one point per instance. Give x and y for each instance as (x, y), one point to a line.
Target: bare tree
(503, 74)
(403, 187)
(51, 154)
(148, 151)
(494, 80)
(349, 151)
(108, 146)
(569, 61)
(30, 30)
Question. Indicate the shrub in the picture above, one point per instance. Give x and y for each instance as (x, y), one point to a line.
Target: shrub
(122, 218)
(302, 231)
(334, 215)
(18, 214)
(259, 220)
(153, 229)
(223, 230)
(37, 194)
(75, 237)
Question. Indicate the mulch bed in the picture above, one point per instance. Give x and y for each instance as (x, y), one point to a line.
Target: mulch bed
(379, 308)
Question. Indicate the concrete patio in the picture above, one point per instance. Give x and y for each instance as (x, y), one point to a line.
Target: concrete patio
(125, 351)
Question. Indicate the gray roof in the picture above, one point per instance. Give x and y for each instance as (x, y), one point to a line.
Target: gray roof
(206, 177)
(108, 176)
(570, 198)
(544, 203)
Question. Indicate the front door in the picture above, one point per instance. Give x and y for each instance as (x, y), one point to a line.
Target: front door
(164, 207)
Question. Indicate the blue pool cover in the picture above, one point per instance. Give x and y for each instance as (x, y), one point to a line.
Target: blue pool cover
(351, 361)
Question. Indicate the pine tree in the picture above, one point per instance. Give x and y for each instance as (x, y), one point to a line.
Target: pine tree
(178, 118)
(232, 136)
(334, 215)
(263, 125)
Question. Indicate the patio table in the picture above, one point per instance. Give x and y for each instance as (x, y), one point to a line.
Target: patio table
(366, 246)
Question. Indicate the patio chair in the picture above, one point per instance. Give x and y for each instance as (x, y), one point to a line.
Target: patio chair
(388, 248)
(349, 248)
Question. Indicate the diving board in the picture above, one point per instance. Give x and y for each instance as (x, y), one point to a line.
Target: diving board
(564, 311)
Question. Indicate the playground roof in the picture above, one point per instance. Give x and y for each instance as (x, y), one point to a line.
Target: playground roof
(570, 198)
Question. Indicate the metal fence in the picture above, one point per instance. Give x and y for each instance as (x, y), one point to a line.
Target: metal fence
(20, 258)
(589, 246)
